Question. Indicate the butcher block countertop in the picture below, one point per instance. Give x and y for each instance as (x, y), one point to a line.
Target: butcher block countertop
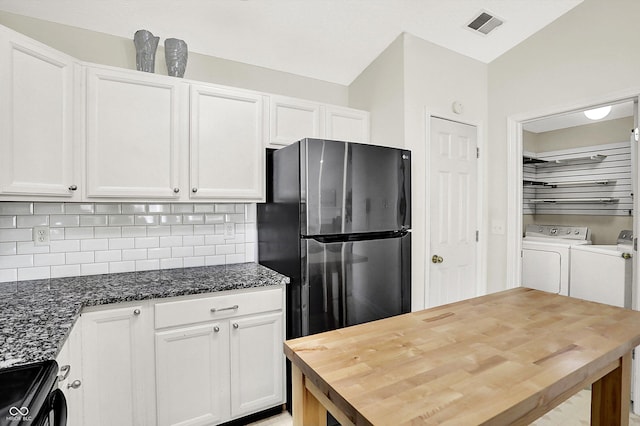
(505, 358)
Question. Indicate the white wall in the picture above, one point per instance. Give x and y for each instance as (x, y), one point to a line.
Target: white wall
(585, 55)
(92, 46)
(430, 78)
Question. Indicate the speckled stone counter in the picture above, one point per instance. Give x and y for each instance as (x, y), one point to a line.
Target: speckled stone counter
(36, 316)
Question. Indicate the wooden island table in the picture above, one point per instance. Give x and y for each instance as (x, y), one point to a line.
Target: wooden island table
(501, 359)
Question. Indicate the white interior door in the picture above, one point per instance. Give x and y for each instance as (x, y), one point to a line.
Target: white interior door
(453, 212)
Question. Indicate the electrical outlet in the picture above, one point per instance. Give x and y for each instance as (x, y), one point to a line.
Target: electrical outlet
(229, 231)
(41, 235)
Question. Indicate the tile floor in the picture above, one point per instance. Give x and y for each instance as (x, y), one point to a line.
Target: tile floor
(574, 412)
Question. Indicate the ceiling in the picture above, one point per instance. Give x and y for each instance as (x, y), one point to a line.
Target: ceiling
(331, 40)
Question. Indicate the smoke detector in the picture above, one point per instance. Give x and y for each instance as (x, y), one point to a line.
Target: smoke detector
(484, 23)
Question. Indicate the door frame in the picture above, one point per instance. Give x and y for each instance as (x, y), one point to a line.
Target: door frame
(481, 226)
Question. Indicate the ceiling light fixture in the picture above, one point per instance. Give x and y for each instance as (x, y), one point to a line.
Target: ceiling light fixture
(598, 113)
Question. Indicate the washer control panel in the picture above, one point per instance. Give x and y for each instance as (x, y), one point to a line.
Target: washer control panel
(580, 233)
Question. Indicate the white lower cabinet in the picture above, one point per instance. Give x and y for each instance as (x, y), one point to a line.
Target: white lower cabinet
(117, 354)
(69, 361)
(219, 358)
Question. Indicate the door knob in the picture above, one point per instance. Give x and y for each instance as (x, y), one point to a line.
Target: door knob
(437, 259)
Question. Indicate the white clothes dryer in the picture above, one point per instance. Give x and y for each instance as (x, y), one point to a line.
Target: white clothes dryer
(602, 273)
(546, 256)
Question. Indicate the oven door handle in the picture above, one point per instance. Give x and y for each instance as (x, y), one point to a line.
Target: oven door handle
(58, 404)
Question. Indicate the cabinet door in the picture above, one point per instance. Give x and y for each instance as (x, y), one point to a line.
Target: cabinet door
(192, 375)
(227, 134)
(135, 123)
(293, 119)
(116, 357)
(36, 119)
(69, 361)
(346, 124)
(257, 362)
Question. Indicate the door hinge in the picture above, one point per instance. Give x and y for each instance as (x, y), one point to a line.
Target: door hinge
(478, 152)
(477, 236)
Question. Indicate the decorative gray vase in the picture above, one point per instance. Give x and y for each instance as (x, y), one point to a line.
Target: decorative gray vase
(175, 53)
(146, 45)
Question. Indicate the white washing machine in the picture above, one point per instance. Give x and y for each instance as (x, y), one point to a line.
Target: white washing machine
(546, 255)
(602, 273)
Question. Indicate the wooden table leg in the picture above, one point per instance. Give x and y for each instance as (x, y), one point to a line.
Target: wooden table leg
(611, 395)
(307, 411)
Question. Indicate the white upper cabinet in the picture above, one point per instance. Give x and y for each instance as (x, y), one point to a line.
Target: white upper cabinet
(135, 125)
(36, 119)
(293, 119)
(346, 124)
(226, 151)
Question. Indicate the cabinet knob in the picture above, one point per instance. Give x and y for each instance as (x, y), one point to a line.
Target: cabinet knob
(136, 312)
(73, 187)
(194, 189)
(74, 385)
(235, 325)
(176, 190)
(216, 328)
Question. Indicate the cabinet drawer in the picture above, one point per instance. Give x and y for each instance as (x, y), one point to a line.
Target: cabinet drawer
(216, 307)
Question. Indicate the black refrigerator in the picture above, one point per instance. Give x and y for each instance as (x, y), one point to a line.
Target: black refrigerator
(337, 221)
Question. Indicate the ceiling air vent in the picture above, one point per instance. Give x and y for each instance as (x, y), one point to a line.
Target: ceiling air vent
(485, 23)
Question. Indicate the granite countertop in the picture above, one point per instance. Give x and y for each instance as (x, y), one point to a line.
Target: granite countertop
(37, 316)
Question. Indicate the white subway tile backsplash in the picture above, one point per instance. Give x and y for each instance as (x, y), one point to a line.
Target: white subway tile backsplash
(64, 246)
(174, 262)
(97, 238)
(94, 268)
(134, 208)
(13, 208)
(108, 232)
(118, 267)
(78, 233)
(147, 242)
(64, 220)
(147, 265)
(79, 208)
(134, 231)
(17, 261)
(8, 221)
(134, 254)
(7, 235)
(94, 220)
(73, 258)
(121, 220)
(181, 251)
(59, 271)
(108, 256)
(38, 273)
(8, 249)
(94, 244)
(8, 275)
(108, 208)
(48, 208)
(121, 243)
(29, 247)
(49, 259)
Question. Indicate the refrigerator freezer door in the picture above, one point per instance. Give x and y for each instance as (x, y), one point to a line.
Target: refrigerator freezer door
(348, 283)
(354, 188)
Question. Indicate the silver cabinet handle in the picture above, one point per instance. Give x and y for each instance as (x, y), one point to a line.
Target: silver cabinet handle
(136, 312)
(65, 370)
(216, 328)
(230, 308)
(75, 384)
(176, 190)
(73, 187)
(194, 189)
(235, 325)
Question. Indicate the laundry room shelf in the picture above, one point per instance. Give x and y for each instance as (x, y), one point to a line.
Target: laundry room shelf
(583, 182)
(573, 200)
(528, 159)
(597, 157)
